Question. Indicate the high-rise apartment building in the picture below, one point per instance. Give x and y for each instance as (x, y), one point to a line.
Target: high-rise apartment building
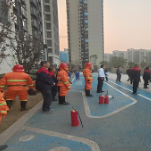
(85, 31)
(51, 30)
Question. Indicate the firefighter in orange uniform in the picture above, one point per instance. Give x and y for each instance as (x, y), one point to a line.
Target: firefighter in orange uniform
(88, 78)
(63, 83)
(3, 111)
(16, 83)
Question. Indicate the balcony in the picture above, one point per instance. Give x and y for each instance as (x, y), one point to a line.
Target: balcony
(33, 12)
(23, 2)
(34, 24)
(23, 11)
(33, 2)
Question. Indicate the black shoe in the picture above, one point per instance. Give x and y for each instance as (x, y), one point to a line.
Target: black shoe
(61, 99)
(55, 99)
(146, 88)
(50, 111)
(24, 109)
(90, 95)
(23, 105)
(135, 93)
(9, 103)
(2, 147)
(65, 103)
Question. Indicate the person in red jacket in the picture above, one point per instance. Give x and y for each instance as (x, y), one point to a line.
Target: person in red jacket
(135, 75)
(146, 77)
(44, 83)
(16, 83)
(55, 87)
(63, 83)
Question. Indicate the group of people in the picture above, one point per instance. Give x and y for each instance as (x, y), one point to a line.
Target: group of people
(134, 76)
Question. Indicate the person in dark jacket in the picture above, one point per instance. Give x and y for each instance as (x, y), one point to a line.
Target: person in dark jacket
(118, 72)
(44, 83)
(135, 75)
(129, 75)
(55, 87)
(146, 77)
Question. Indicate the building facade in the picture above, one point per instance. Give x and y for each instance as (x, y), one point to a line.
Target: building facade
(85, 31)
(51, 30)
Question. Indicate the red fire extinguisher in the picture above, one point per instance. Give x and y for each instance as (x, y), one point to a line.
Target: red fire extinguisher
(74, 118)
(101, 99)
(106, 99)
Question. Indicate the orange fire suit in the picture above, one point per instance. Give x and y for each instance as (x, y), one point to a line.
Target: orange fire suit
(88, 78)
(63, 82)
(16, 83)
(3, 107)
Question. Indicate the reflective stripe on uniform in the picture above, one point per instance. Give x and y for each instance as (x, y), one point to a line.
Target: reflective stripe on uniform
(58, 77)
(24, 100)
(2, 86)
(66, 82)
(89, 77)
(3, 104)
(30, 85)
(14, 80)
(3, 111)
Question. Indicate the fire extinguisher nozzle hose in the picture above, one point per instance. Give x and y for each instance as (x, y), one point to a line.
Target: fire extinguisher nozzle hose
(78, 116)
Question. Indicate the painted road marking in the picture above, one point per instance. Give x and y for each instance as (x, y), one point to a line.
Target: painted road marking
(79, 82)
(87, 109)
(60, 149)
(26, 138)
(94, 146)
(131, 91)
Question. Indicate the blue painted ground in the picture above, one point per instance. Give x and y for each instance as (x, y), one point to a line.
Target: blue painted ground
(41, 142)
(140, 91)
(127, 130)
(118, 102)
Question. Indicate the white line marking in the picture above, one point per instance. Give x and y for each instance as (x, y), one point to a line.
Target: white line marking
(72, 79)
(132, 91)
(94, 146)
(87, 109)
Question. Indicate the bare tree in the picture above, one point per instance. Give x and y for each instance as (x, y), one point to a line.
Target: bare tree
(6, 33)
(27, 50)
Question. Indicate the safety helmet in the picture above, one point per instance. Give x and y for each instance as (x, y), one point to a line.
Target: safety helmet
(63, 65)
(88, 64)
(18, 68)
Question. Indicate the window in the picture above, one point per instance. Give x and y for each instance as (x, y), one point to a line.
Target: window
(47, 8)
(86, 21)
(85, 13)
(48, 26)
(47, 17)
(48, 34)
(50, 59)
(46, 1)
(49, 43)
(49, 50)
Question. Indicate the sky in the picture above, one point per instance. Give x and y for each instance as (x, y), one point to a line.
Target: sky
(127, 24)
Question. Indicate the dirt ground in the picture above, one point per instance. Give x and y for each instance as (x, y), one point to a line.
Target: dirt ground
(14, 114)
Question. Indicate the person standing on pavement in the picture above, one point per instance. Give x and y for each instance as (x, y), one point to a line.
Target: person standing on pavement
(44, 83)
(146, 77)
(16, 83)
(87, 73)
(135, 75)
(118, 72)
(77, 74)
(3, 111)
(55, 87)
(101, 77)
(63, 83)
